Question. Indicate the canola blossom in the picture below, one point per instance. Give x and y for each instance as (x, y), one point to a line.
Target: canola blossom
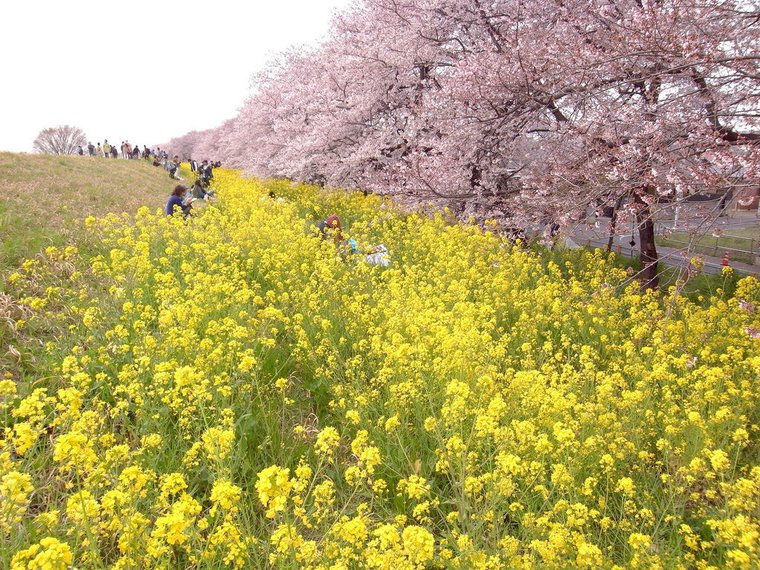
(234, 391)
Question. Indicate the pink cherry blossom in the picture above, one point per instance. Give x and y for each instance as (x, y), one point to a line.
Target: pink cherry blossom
(522, 111)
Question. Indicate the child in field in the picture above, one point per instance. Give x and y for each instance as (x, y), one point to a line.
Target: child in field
(374, 255)
(331, 226)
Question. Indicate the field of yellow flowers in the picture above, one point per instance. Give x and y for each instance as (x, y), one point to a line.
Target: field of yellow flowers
(233, 391)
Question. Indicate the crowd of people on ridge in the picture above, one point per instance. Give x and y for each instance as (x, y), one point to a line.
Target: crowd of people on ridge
(182, 197)
(158, 157)
(107, 150)
(200, 190)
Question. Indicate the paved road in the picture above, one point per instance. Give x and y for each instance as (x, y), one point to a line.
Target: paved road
(590, 235)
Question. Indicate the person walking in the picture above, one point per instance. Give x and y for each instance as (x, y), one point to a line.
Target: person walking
(90, 149)
(106, 149)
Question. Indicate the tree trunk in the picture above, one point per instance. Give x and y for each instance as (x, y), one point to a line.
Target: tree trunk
(613, 222)
(645, 223)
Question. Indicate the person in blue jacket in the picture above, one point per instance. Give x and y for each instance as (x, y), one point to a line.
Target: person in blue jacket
(177, 201)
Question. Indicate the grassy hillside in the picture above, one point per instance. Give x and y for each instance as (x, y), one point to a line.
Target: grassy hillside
(44, 195)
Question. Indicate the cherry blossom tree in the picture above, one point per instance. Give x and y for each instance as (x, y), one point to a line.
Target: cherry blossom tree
(549, 107)
(521, 110)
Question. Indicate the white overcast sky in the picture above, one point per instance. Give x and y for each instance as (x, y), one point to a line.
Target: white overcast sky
(136, 70)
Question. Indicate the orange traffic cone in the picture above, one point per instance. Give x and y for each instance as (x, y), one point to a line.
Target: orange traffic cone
(725, 261)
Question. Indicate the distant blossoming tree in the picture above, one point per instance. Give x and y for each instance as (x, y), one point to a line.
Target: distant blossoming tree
(60, 140)
(211, 144)
(183, 146)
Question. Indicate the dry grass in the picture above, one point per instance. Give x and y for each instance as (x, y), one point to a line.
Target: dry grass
(43, 199)
(43, 196)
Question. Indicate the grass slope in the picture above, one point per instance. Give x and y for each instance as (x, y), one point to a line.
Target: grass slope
(44, 195)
